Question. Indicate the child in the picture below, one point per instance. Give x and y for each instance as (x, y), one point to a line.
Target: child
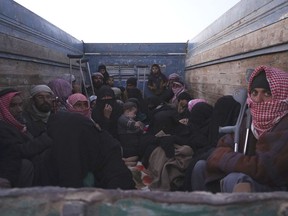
(129, 131)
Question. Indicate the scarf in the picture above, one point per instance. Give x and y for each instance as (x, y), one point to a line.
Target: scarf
(265, 115)
(73, 99)
(177, 91)
(193, 102)
(38, 115)
(5, 114)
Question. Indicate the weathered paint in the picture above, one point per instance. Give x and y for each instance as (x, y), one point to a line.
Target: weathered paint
(252, 33)
(32, 50)
(90, 201)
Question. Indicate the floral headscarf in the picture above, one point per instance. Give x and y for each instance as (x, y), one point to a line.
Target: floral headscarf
(265, 115)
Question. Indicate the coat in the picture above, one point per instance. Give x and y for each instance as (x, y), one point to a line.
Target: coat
(267, 164)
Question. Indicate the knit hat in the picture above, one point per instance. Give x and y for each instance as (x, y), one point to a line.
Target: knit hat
(260, 81)
(40, 88)
(97, 74)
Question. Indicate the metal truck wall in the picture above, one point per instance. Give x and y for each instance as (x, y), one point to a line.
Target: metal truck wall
(124, 60)
(252, 33)
(32, 50)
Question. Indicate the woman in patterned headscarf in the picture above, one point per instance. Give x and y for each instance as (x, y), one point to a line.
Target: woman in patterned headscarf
(78, 103)
(265, 169)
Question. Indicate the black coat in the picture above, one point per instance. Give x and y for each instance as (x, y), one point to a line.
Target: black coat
(20, 146)
(80, 148)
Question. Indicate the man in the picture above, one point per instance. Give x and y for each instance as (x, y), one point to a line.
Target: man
(98, 82)
(73, 148)
(263, 168)
(38, 109)
(13, 133)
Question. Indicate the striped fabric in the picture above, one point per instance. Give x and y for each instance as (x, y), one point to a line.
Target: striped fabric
(5, 114)
(265, 115)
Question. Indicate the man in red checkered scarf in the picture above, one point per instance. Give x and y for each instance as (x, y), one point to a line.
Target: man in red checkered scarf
(264, 168)
(269, 109)
(27, 150)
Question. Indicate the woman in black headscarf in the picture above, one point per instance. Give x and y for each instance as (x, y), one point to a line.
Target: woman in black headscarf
(107, 111)
(204, 140)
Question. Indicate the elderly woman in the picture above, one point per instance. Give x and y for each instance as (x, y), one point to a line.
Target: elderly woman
(264, 169)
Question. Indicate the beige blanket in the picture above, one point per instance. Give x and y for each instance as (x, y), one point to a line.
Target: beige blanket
(168, 173)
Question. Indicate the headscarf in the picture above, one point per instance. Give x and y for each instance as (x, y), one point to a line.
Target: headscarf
(5, 115)
(177, 90)
(184, 96)
(61, 88)
(174, 76)
(199, 122)
(265, 115)
(73, 99)
(193, 102)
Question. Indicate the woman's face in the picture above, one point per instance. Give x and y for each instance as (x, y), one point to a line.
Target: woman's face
(155, 70)
(81, 105)
(259, 95)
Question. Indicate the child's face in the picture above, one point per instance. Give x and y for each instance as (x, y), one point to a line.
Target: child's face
(110, 81)
(131, 113)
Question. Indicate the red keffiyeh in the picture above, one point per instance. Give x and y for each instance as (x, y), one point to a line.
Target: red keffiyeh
(265, 115)
(73, 99)
(5, 114)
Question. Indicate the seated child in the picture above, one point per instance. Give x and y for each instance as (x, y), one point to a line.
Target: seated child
(129, 132)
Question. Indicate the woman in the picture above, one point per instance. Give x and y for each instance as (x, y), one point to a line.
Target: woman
(62, 90)
(157, 81)
(264, 169)
(71, 149)
(78, 103)
(107, 111)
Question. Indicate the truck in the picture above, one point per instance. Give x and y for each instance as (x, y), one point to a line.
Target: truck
(212, 64)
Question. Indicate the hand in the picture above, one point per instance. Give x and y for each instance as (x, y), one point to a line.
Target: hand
(107, 110)
(139, 124)
(4, 183)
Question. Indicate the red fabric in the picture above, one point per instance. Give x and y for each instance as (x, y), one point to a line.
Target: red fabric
(265, 115)
(73, 99)
(5, 114)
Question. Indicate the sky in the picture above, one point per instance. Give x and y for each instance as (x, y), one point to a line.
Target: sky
(130, 21)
